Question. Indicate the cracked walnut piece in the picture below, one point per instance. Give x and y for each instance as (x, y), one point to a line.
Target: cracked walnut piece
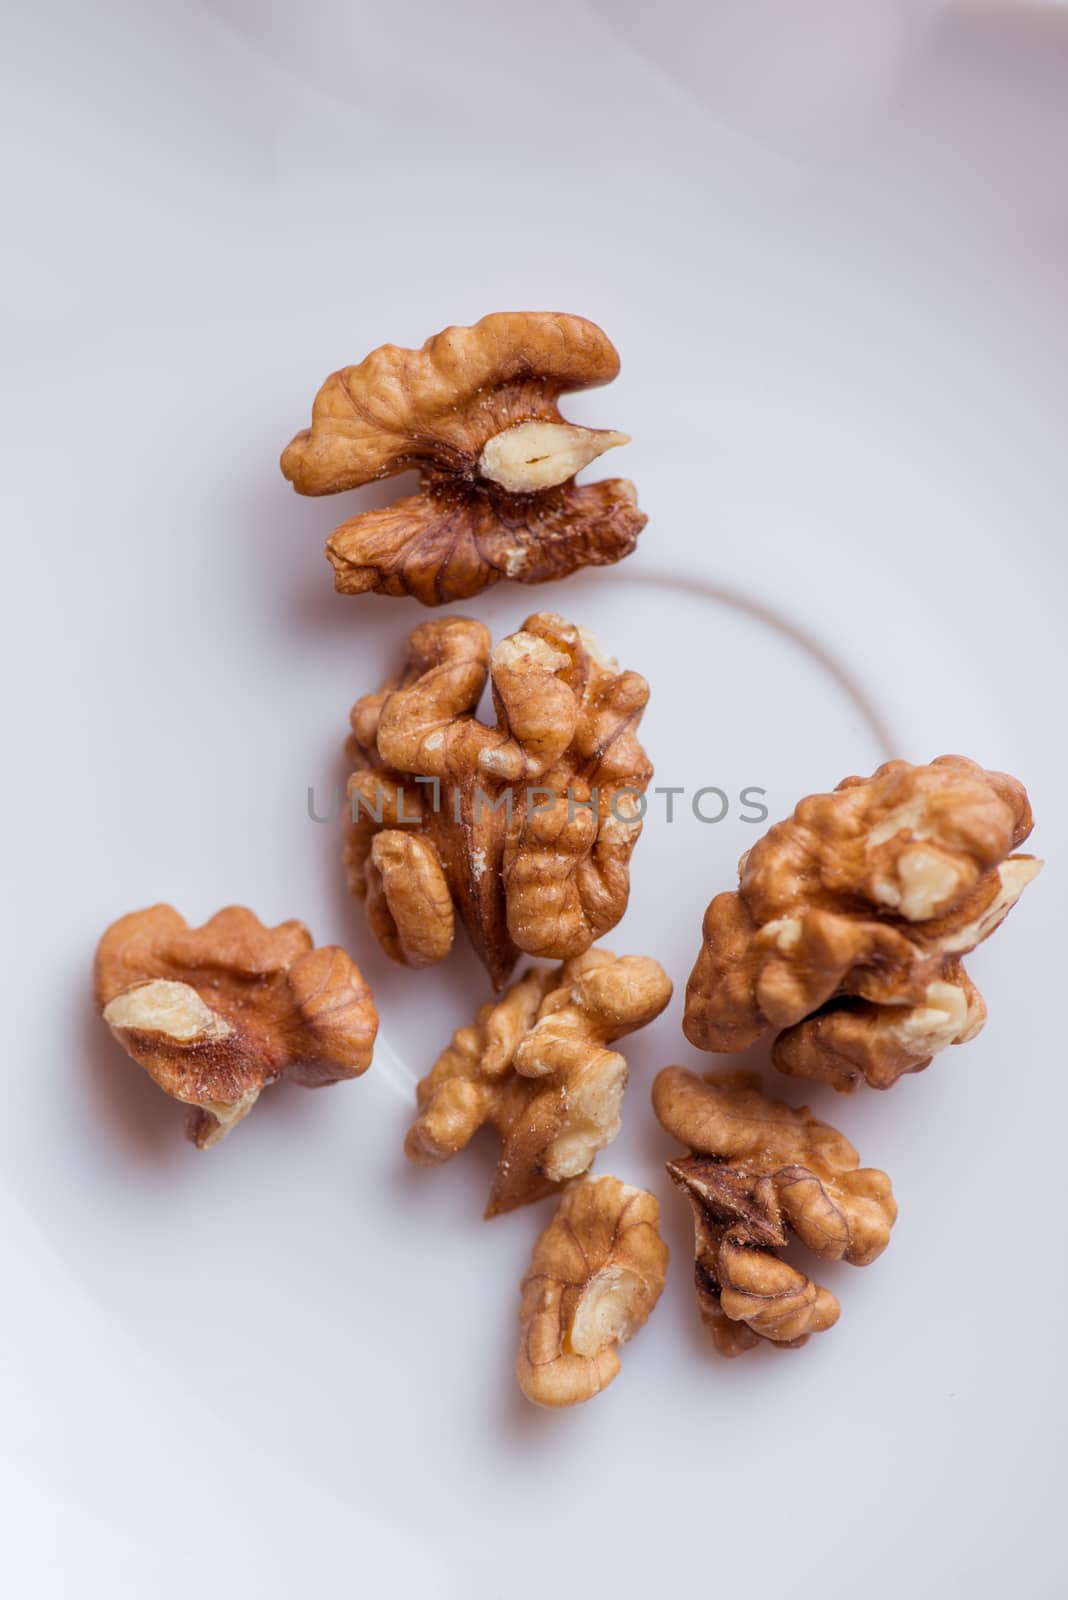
(757, 1168)
(214, 1014)
(594, 1277)
(851, 917)
(475, 411)
(536, 1066)
(525, 828)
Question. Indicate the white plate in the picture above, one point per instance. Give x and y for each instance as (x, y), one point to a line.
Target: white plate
(286, 1366)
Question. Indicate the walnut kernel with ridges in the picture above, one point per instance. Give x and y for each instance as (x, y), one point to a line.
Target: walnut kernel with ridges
(448, 814)
(757, 1168)
(594, 1277)
(215, 1014)
(536, 1066)
(847, 928)
(475, 412)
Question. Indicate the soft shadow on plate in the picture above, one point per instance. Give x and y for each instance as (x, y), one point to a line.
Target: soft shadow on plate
(296, 528)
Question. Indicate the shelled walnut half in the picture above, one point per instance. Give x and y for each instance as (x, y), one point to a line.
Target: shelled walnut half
(525, 828)
(475, 412)
(850, 920)
(215, 1014)
(756, 1169)
(594, 1277)
(537, 1068)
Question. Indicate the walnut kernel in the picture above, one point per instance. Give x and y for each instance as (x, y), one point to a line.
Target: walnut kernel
(537, 1068)
(214, 1014)
(850, 918)
(757, 1168)
(594, 1277)
(475, 412)
(525, 828)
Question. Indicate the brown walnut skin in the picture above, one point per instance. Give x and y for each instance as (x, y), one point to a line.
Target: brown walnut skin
(536, 1067)
(594, 1277)
(756, 1169)
(550, 878)
(214, 1014)
(846, 932)
(475, 412)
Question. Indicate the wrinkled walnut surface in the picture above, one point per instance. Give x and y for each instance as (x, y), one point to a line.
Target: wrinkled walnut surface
(475, 412)
(756, 1169)
(550, 878)
(214, 1014)
(536, 1066)
(851, 917)
(594, 1277)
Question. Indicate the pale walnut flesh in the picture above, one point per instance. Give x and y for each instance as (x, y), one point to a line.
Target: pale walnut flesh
(846, 931)
(475, 412)
(215, 1014)
(757, 1171)
(523, 830)
(540, 455)
(536, 1067)
(595, 1275)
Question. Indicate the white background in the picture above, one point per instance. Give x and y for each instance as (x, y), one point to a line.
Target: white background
(829, 241)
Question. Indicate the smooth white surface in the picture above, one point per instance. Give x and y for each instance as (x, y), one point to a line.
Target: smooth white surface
(284, 1366)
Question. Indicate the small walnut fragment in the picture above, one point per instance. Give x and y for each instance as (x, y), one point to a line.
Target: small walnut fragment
(524, 828)
(595, 1275)
(756, 1169)
(475, 412)
(850, 920)
(536, 1066)
(214, 1014)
